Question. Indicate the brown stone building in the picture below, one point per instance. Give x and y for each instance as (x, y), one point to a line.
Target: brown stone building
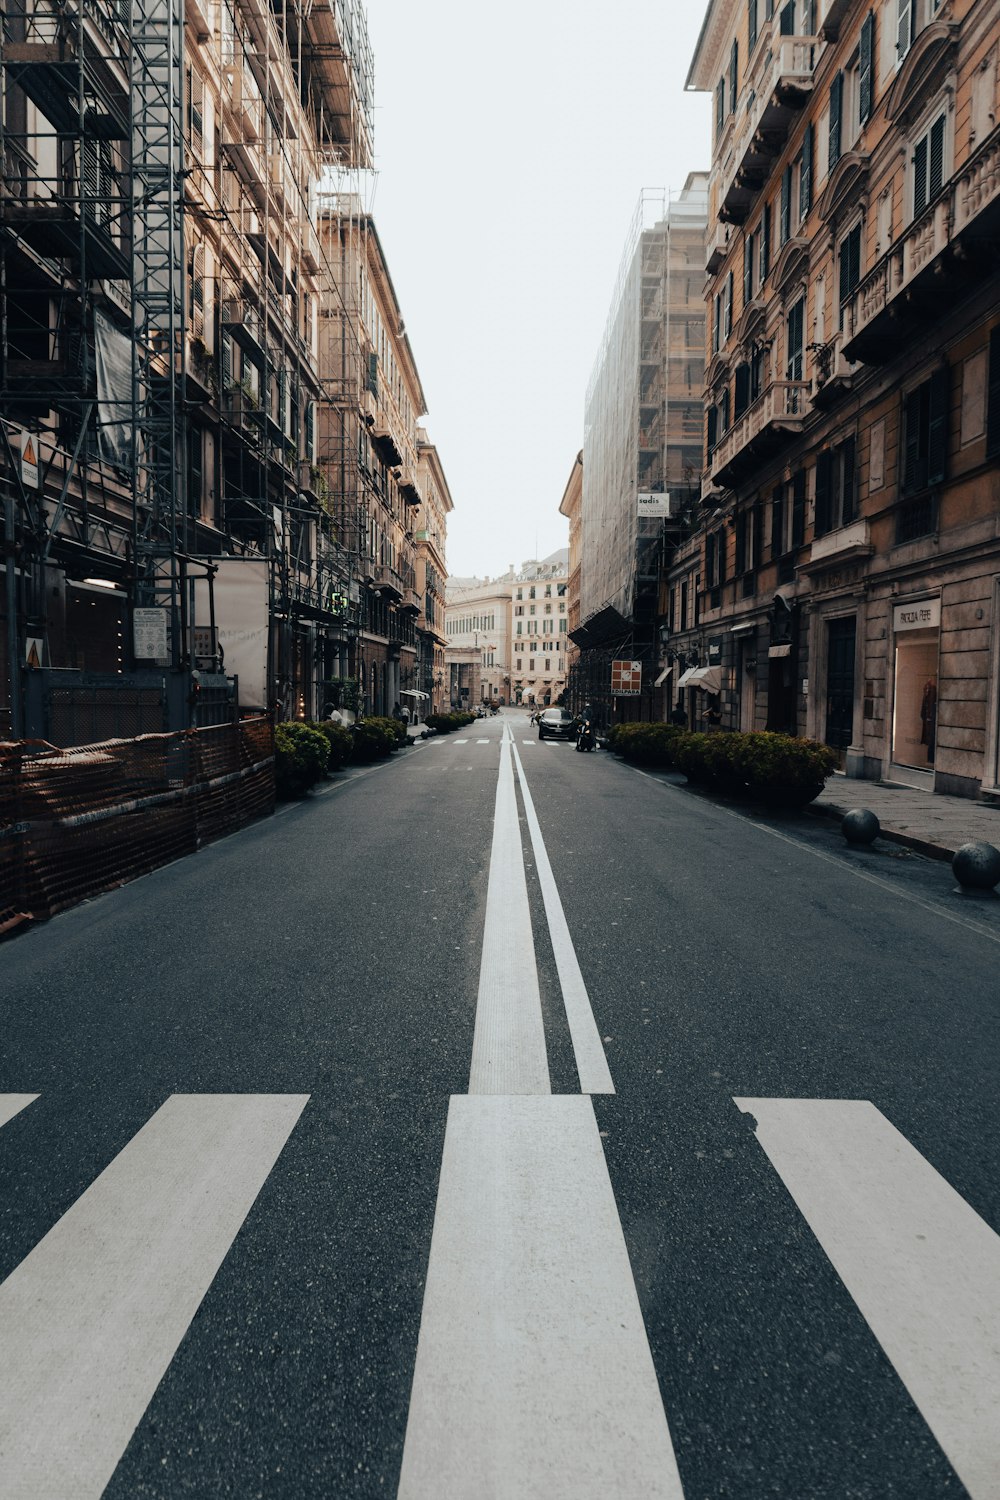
(844, 579)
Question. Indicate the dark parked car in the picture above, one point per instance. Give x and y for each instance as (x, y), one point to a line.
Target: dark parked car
(556, 723)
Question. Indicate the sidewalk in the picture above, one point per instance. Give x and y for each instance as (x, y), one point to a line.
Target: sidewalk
(930, 822)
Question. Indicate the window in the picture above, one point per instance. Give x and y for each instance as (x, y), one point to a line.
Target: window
(906, 25)
(756, 372)
(748, 257)
(765, 243)
(850, 267)
(724, 412)
(778, 522)
(928, 166)
(734, 83)
(798, 508)
(751, 24)
(717, 323)
(835, 488)
(712, 435)
(786, 19)
(720, 109)
(729, 305)
(795, 322)
(925, 433)
(741, 391)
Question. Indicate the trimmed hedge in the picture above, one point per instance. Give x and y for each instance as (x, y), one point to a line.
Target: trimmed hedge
(374, 739)
(778, 769)
(301, 755)
(447, 723)
(340, 741)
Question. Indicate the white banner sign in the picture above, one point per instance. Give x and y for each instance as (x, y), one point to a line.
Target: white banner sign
(29, 461)
(654, 507)
(241, 621)
(924, 615)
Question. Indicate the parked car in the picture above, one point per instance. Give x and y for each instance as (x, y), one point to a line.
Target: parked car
(556, 723)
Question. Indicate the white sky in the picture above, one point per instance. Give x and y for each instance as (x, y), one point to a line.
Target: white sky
(512, 143)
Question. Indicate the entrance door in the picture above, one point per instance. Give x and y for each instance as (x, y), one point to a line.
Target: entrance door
(840, 682)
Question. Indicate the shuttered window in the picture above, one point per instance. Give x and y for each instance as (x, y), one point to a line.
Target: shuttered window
(710, 560)
(729, 304)
(741, 393)
(777, 522)
(765, 243)
(748, 246)
(850, 263)
(848, 504)
(795, 325)
(925, 433)
(786, 21)
(713, 428)
(906, 15)
(866, 68)
(734, 83)
(836, 118)
(751, 24)
(720, 108)
(741, 542)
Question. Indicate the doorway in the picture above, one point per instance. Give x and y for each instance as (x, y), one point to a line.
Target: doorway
(840, 644)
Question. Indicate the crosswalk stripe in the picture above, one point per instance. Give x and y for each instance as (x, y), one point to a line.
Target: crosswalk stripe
(533, 1379)
(482, 742)
(921, 1265)
(12, 1104)
(91, 1318)
(460, 742)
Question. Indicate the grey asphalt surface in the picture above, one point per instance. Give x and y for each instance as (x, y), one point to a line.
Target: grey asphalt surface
(334, 951)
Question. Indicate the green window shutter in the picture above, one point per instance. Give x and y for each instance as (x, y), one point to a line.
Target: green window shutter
(993, 397)
(765, 242)
(734, 76)
(786, 21)
(866, 71)
(848, 508)
(785, 217)
(758, 535)
(806, 172)
(751, 24)
(824, 467)
(777, 523)
(721, 552)
(937, 427)
(729, 304)
(799, 508)
(741, 398)
(913, 466)
(741, 543)
(836, 113)
(920, 177)
(935, 175)
(720, 108)
(748, 270)
(710, 560)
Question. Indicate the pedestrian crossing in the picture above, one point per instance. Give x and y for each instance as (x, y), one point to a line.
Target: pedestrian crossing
(533, 1374)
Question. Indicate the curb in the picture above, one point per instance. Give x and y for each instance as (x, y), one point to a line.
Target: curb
(909, 840)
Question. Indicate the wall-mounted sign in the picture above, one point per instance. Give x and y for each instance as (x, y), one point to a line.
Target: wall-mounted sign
(715, 651)
(654, 506)
(149, 634)
(29, 461)
(924, 615)
(626, 679)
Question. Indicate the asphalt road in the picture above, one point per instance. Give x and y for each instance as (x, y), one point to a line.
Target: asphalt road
(216, 1213)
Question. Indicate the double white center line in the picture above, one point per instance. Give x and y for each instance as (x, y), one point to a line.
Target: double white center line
(534, 1376)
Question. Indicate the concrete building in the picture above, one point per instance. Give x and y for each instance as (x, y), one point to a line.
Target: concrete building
(540, 631)
(569, 506)
(641, 452)
(478, 631)
(846, 581)
(208, 401)
(431, 523)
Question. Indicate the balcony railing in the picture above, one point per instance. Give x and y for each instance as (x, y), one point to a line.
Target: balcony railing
(833, 372)
(879, 317)
(781, 83)
(778, 412)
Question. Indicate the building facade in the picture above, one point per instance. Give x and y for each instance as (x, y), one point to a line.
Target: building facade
(208, 405)
(846, 578)
(539, 625)
(478, 631)
(641, 453)
(569, 506)
(431, 522)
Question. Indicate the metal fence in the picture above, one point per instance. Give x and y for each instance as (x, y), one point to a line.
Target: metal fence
(79, 821)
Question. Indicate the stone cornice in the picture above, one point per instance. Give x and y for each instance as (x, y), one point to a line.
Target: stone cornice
(845, 183)
(922, 71)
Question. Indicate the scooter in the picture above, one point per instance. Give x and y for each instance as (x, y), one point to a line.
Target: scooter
(586, 739)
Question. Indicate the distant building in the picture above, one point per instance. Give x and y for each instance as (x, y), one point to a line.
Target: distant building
(539, 630)
(569, 506)
(478, 631)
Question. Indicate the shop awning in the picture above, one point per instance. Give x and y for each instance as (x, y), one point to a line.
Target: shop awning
(600, 629)
(663, 676)
(706, 679)
(412, 693)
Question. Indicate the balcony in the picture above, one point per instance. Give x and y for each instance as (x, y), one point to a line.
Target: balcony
(781, 84)
(717, 247)
(408, 487)
(243, 323)
(846, 544)
(833, 372)
(384, 443)
(773, 418)
(951, 243)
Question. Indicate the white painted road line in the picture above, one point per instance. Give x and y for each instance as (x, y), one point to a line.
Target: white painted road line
(591, 1059)
(533, 1379)
(921, 1265)
(484, 742)
(12, 1104)
(91, 1319)
(508, 1045)
(460, 742)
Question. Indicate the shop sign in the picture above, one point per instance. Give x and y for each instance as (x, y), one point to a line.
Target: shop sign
(924, 615)
(654, 506)
(29, 461)
(626, 679)
(715, 651)
(149, 633)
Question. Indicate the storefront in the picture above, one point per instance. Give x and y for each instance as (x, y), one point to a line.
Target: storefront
(916, 629)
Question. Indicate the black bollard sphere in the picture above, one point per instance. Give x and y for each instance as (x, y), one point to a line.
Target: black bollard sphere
(977, 866)
(859, 826)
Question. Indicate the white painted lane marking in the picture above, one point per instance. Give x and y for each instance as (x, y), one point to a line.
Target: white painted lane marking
(533, 1378)
(921, 1265)
(508, 1046)
(483, 742)
(591, 1060)
(529, 742)
(460, 742)
(91, 1319)
(12, 1104)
